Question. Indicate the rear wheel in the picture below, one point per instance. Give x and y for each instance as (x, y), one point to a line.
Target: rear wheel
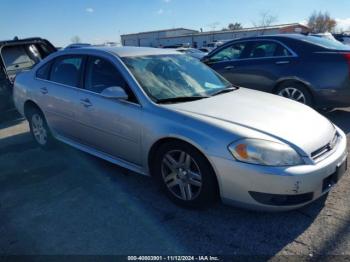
(296, 92)
(185, 175)
(39, 129)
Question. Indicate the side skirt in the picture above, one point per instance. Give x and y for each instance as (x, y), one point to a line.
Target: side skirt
(120, 162)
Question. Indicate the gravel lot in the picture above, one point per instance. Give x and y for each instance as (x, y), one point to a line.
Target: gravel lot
(67, 202)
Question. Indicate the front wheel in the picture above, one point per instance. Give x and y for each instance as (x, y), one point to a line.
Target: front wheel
(39, 129)
(185, 175)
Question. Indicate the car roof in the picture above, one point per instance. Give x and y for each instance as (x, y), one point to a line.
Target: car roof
(276, 36)
(23, 41)
(132, 51)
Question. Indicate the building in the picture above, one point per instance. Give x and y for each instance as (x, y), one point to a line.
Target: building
(182, 36)
(152, 38)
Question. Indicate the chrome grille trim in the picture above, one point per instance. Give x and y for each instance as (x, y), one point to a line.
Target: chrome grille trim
(326, 148)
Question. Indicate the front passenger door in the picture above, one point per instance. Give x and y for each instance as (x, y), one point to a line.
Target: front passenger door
(109, 125)
(228, 60)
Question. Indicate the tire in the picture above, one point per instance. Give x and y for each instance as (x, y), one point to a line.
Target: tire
(185, 175)
(295, 91)
(39, 129)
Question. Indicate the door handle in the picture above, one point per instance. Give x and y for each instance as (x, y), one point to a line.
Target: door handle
(86, 102)
(282, 62)
(229, 67)
(44, 90)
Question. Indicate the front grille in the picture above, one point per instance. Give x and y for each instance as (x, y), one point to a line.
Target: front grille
(326, 148)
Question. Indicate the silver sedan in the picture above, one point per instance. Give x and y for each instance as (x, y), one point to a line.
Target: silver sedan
(161, 113)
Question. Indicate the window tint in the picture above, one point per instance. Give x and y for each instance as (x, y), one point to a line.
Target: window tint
(232, 52)
(267, 49)
(44, 71)
(67, 71)
(101, 74)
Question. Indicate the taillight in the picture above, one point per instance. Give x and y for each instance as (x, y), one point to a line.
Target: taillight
(347, 57)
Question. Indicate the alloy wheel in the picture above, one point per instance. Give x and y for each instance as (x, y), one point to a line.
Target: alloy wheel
(39, 130)
(294, 94)
(181, 175)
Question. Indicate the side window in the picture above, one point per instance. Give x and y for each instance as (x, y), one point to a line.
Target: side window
(44, 71)
(232, 52)
(67, 70)
(267, 49)
(101, 74)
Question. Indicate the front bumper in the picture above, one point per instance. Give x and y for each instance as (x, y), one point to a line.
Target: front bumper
(238, 180)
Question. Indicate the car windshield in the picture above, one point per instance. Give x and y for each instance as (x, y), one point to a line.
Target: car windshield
(165, 77)
(327, 43)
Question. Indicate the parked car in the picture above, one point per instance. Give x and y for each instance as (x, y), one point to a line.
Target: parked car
(162, 113)
(311, 70)
(172, 46)
(344, 38)
(77, 45)
(205, 49)
(326, 35)
(192, 52)
(17, 56)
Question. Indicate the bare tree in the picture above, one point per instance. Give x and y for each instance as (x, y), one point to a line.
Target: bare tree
(266, 19)
(319, 22)
(75, 39)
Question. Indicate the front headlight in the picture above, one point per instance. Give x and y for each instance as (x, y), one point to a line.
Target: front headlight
(263, 152)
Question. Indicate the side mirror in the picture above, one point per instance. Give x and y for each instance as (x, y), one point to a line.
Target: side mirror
(115, 92)
(205, 59)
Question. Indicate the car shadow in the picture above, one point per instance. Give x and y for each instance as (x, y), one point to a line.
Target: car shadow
(85, 205)
(9, 116)
(219, 229)
(68, 202)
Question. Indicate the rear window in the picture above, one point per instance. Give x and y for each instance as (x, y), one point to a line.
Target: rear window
(66, 70)
(17, 57)
(326, 43)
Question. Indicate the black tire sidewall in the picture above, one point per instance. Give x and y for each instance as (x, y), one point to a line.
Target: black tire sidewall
(209, 191)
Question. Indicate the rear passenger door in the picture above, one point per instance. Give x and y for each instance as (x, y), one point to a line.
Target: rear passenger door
(57, 92)
(109, 125)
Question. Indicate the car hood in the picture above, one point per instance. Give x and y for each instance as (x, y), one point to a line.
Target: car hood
(278, 117)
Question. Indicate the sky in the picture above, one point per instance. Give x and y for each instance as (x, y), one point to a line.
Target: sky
(99, 21)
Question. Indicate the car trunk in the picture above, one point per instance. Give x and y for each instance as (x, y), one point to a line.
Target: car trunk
(15, 57)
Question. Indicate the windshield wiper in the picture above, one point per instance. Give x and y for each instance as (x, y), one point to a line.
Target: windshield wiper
(225, 90)
(180, 99)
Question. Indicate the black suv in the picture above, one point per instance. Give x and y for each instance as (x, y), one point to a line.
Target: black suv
(15, 56)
